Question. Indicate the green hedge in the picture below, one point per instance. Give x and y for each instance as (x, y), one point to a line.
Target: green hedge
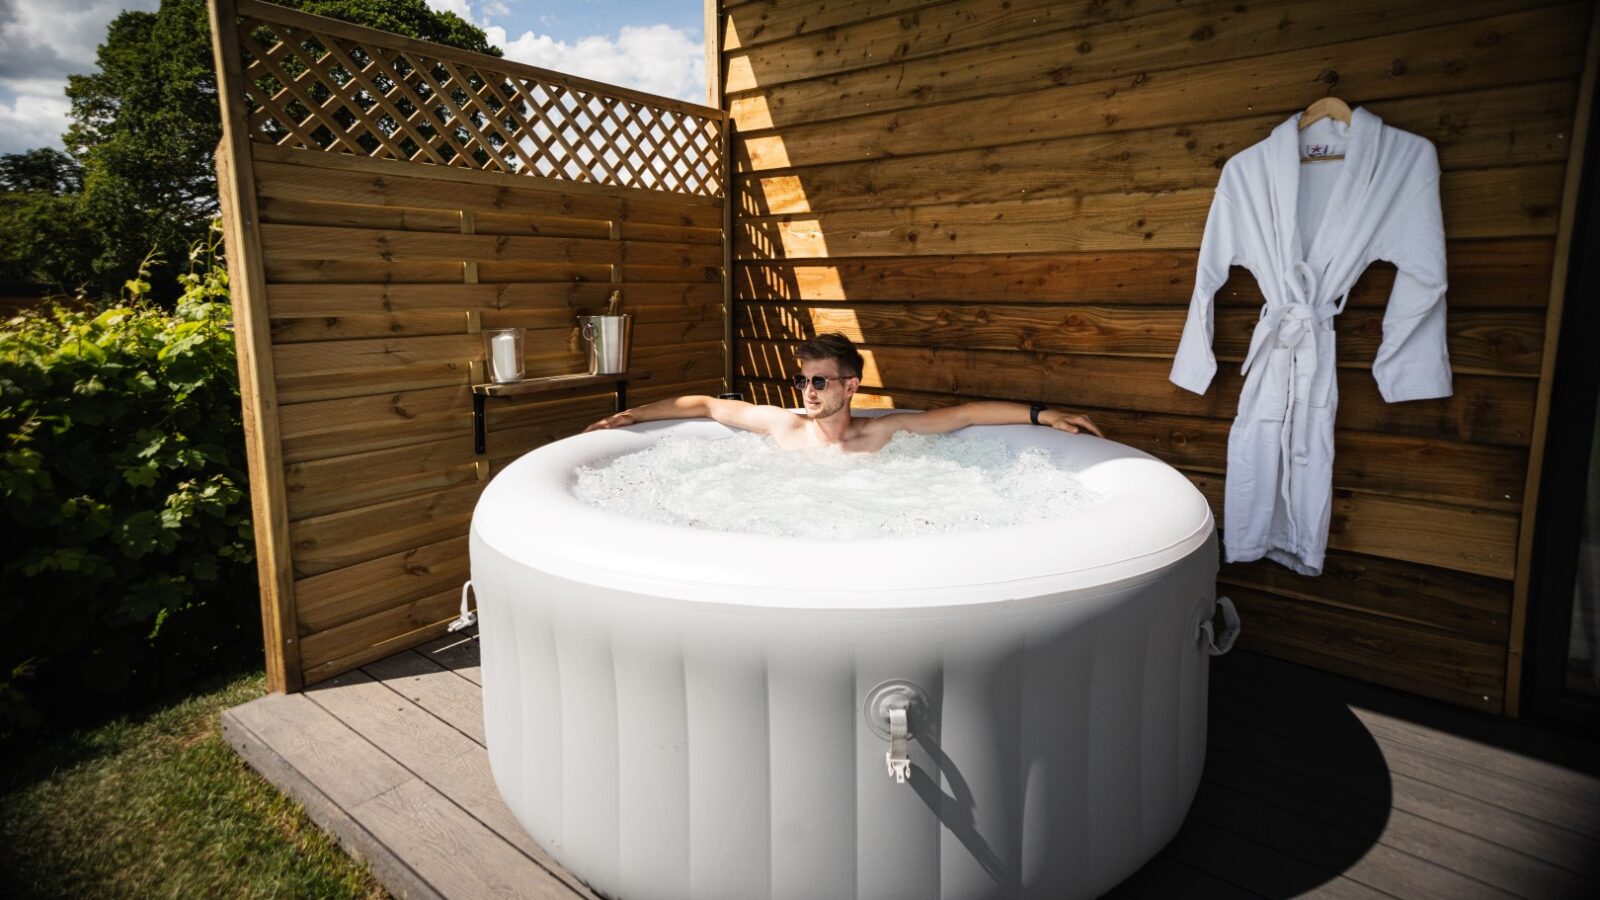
(129, 566)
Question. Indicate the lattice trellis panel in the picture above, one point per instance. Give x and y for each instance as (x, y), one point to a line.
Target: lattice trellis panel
(342, 94)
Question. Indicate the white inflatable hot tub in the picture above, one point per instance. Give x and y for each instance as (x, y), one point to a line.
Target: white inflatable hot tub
(682, 713)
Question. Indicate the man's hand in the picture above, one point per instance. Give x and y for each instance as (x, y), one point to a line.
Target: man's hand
(1068, 422)
(615, 420)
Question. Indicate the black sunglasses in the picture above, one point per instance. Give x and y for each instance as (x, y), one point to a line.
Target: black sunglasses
(820, 382)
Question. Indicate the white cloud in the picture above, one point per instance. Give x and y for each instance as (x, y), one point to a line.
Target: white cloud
(658, 59)
(32, 120)
(459, 7)
(41, 43)
(69, 30)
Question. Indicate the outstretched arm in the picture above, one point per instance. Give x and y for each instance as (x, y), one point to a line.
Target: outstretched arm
(733, 413)
(985, 412)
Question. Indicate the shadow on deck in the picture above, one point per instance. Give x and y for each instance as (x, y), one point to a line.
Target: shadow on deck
(1314, 785)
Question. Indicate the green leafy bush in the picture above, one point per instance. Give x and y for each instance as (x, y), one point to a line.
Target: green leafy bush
(129, 568)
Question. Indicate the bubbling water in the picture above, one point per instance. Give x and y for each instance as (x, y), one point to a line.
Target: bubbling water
(917, 484)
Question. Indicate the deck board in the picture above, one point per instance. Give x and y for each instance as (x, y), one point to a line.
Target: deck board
(436, 689)
(1315, 786)
(455, 764)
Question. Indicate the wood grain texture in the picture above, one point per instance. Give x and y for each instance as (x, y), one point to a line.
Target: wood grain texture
(237, 199)
(1465, 474)
(538, 300)
(1534, 46)
(370, 444)
(949, 46)
(341, 648)
(1418, 659)
(1030, 56)
(327, 542)
(1493, 410)
(653, 325)
(764, 21)
(1472, 799)
(372, 279)
(1526, 124)
(1442, 535)
(379, 276)
(457, 652)
(1373, 586)
(281, 242)
(1004, 201)
(1425, 821)
(1488, 342)
(442, 693)
(1508, 273)
(1416, 858)
(353, 592)
(1315, 785)
(431, 365)
(273, 754)
(458, 769)
(334, 178)
(427, 827)
(1488, 203)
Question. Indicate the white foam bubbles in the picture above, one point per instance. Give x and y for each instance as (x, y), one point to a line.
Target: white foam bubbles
(917, 484)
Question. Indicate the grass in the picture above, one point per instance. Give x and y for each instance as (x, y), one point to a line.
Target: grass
(159, 805)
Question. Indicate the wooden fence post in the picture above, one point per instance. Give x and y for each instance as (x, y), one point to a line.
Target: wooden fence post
(253, 340)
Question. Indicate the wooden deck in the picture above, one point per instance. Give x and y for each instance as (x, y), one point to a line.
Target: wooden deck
(1314, 786)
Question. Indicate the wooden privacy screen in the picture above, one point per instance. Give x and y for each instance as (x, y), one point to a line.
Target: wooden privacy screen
(1006, 200)
(385, 199)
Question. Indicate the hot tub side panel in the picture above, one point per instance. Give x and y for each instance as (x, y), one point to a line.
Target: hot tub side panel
(666, 748)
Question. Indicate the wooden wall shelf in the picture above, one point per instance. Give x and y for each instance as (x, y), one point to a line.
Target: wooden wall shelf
(545, 385)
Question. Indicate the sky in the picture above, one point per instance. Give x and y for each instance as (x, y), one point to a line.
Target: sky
(651, 45)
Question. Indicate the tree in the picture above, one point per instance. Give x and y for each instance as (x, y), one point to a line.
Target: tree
(42, 238)
(146, 124)
(41, 171)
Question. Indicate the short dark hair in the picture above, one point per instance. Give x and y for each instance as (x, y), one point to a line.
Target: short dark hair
(833, 345)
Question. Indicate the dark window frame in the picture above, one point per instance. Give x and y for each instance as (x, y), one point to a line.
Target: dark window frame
(1575, 389)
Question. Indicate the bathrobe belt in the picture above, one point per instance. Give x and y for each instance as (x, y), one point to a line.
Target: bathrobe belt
(1295, 325)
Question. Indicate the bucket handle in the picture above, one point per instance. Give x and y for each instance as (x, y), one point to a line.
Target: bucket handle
(468, 618)
(586, 328)
(1217, 644)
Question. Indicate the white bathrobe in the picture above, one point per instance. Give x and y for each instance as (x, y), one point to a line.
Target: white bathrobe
(1306, 232)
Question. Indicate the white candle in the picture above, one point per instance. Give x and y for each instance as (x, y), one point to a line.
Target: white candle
(505, 357)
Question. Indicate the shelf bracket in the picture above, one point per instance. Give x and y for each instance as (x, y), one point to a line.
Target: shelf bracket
(478, 438)
(549, 384)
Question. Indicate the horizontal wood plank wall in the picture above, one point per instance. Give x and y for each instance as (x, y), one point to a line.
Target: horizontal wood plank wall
(378, 276)
(1006, 200)
(389, 199)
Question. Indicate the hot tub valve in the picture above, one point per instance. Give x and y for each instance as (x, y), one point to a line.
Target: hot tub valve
(896, 710)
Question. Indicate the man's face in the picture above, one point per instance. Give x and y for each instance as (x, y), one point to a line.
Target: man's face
(828, 401)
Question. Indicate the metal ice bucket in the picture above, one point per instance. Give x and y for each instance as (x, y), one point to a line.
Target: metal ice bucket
(608, 337)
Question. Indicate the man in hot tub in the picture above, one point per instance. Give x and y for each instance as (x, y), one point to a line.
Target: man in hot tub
(830, 373)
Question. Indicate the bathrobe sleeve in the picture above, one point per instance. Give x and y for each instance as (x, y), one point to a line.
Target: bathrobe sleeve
(1413, 362)
(1195, 364)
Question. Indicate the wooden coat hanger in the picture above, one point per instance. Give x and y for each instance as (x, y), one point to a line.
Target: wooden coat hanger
(1326, 108)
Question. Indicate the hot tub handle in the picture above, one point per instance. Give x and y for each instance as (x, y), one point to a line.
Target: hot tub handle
(467, 619)
(1216, 644)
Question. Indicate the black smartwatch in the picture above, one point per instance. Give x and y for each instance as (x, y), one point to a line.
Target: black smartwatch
(1033, 412)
